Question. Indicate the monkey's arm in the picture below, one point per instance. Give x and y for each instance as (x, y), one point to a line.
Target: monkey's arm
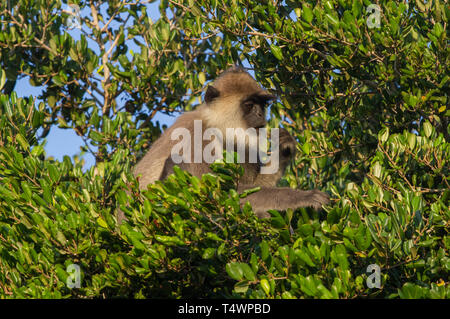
(287, 145)
(282, 198)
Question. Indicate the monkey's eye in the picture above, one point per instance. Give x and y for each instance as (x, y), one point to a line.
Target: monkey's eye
(247, 106)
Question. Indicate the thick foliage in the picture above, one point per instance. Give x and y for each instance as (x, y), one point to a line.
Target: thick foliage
(368, 106)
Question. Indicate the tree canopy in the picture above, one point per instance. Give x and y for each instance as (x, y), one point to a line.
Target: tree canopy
(362, 86)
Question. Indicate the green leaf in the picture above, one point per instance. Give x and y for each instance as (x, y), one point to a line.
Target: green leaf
(307, 13)
(249, 191)
(308, 286)
(265, 286)
(247, 271)
(208, 253)
(306, 148)
(325, 293)
(26, 190)
(241, 287)
(332, 19)
(234, 271)
(51, 100)
(276, 51)
(96, 136)
(268, 27)
(53, 173)
(410, 291)
(428, 128)
(305, 257)
(264, 250)
(383, 134)
(170, 240)
(2, 78)
(165, 32)
(22, 141)
(58, 80)
(201, 78)
(101, 222)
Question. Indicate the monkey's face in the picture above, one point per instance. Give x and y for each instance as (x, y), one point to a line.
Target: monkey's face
(254, 110)
(236, 100)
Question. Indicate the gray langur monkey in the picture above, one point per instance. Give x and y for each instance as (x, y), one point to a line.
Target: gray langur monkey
(234, 100)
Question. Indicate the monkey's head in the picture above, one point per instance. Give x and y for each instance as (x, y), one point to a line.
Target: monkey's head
(235, 99)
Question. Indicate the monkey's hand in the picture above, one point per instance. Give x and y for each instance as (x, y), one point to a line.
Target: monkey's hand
(312, 198)
(282, 198)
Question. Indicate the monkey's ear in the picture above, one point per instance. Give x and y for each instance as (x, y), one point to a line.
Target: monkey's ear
(211, 94)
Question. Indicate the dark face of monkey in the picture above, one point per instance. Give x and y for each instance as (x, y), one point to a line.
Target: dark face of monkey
(254, 110)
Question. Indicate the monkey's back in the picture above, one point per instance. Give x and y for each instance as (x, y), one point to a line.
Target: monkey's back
(151, 166)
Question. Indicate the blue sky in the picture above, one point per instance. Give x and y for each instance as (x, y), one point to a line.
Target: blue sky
(62, 142)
